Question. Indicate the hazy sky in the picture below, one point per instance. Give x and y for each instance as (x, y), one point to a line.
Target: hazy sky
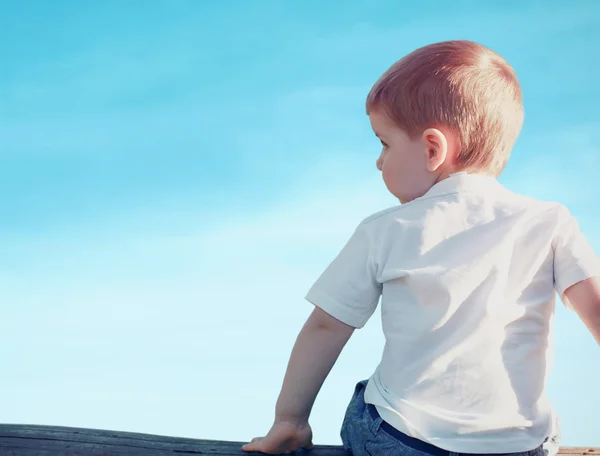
(174, 175)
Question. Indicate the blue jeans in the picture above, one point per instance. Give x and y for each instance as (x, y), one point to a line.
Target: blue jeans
(364, 433)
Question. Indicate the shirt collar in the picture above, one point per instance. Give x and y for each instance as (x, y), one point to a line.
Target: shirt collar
(461, 182)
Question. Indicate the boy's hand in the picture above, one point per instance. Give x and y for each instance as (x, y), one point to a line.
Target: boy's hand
(315, 352)
(283, 438)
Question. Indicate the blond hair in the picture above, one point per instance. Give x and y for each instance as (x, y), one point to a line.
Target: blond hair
(463, 86)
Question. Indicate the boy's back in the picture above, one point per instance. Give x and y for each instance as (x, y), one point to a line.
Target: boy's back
(467, 277)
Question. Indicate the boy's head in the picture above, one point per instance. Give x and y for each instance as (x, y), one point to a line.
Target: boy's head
(446, 107)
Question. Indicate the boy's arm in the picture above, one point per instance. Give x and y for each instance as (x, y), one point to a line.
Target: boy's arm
(585, 299)
(316, 350)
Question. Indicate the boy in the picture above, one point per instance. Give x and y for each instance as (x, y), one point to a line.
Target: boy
(466, 271)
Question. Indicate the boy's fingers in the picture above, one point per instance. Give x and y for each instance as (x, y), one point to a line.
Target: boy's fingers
(252, 446)
(255, 445)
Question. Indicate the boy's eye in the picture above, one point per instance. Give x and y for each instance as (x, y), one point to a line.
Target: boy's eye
(383, 144)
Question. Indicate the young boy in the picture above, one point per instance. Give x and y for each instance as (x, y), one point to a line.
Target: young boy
(466, 271)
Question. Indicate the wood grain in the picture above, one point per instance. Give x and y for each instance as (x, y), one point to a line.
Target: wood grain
(29, 440)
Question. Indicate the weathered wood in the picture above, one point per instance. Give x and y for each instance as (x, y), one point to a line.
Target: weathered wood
(29, 440)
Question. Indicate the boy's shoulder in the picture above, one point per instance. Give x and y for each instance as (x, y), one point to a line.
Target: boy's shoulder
(509, 202)
(379, 214)
(553, 210)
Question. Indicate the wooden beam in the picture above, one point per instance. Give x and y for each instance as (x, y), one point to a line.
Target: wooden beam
(30, 440)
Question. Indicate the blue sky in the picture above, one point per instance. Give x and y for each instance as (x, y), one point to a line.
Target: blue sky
(176, 174)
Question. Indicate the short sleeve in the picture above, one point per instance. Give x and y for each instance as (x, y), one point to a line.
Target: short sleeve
(348, 289)
(574, 258)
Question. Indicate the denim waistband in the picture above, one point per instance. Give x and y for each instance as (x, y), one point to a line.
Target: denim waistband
(406, 439)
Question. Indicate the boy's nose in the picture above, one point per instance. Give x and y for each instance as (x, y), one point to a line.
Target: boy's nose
(379, 162)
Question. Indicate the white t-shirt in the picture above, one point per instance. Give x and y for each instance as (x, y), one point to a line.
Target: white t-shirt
(467, 276)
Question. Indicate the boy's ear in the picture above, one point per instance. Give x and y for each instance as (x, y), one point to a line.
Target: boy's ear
(436, 148)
